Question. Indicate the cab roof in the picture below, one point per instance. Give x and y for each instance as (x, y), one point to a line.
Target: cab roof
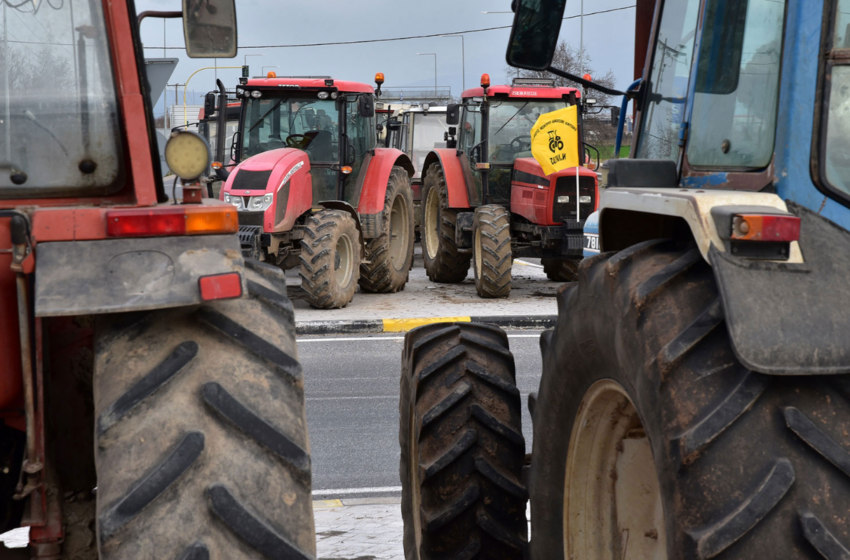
(341, 86)
(524, 92)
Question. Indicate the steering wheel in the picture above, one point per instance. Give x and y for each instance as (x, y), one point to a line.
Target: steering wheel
(299, 141)
(518, 143)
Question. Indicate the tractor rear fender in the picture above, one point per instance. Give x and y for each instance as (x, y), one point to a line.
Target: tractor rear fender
(788, 317)
(119, 275)
(374, 187)
(346, 207)
(453, 171)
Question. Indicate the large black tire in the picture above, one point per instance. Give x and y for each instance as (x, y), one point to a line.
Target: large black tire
(443, 262)
(202, 448)
(462, 449)
(491, 251)
(561, 270)
(749, 466)
(330, 259)
(391, 253)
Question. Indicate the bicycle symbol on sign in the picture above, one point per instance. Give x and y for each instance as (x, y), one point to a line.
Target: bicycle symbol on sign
(555, 142)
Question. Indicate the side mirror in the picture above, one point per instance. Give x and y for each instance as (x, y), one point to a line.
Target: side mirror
(234, 146)
(615, 116)
(453, 113)
(351, 155)
(393, 125)
(379, 127)
(209, 27)
(366, 106)
(209, 105)
(475, 155)
(534, 36)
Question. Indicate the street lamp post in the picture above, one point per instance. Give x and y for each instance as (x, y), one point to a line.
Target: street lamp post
(245, 59)
(462, 58)
(435, 68)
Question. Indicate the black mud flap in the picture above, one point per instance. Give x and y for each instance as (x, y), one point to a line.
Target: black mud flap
(791, 319)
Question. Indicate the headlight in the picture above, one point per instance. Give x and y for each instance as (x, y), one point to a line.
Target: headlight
(267, 200)
(260, 203)
(239, 92)
(256, 203)
(584, 200)
(256, 94)
(187, 154)
(323, 95)
(227, 198)
(234, 200)
(334, 95)
(563, 200)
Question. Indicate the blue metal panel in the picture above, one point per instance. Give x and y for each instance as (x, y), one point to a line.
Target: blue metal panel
(797, 112)
(591, 236)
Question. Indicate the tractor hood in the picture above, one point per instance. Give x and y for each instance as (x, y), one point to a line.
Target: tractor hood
(265, 173)
(531, 167)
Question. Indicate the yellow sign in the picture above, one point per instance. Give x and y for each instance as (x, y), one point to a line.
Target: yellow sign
(554, 140)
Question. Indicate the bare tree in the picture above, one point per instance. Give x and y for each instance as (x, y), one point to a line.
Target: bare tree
(567, 58)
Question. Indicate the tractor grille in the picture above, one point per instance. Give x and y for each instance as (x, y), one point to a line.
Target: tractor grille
(247, 234)
(250, 218)
(566, 186)
(250, 181)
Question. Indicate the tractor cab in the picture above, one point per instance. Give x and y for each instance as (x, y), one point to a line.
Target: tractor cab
(305, 155)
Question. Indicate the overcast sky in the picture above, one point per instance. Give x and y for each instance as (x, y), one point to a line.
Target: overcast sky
(608, 39)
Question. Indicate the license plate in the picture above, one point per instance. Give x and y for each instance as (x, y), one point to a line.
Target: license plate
(591, 242)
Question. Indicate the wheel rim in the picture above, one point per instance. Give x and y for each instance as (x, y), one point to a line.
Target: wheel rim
(343, 260)
(399, 232)
(477, 252)
(617, 515)
(432, 226)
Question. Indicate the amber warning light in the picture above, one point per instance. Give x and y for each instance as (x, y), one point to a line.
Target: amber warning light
(379, 78)
(485, 80)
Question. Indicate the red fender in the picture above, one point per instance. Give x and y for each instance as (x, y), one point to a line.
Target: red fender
(291, 199)
(453, 170)
(374, 188)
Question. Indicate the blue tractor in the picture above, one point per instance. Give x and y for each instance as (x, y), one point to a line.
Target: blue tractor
(695, 396)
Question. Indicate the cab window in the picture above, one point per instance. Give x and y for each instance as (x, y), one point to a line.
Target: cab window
(834, 151)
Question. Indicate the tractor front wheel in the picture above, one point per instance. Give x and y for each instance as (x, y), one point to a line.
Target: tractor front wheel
(330, 259)
(443, 262)
(202, 447)
(391, 253)
(652, 440)
(491, 251)
(560, 270)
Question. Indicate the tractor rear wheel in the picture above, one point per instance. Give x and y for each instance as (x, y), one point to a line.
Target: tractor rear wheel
(651, 440)
(491, 251)
(330, 259)
(462, 448)
(391, 253)
(443, 262)
(561, 270)
(202, 448)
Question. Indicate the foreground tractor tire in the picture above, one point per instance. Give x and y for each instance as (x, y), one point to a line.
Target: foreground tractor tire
(561, 270)
(657, 442)
(330, 259)
(443, 262)
(491, 251)
(462, 449)
(202, 447)
(391, 253)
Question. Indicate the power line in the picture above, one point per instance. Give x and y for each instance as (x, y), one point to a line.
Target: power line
(363, 41)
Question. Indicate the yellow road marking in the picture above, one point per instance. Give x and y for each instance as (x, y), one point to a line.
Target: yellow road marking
(327, 503)
(402, 325)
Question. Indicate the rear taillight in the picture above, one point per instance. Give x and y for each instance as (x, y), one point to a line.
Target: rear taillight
(220, 286)
(756, 227)
(180, 220)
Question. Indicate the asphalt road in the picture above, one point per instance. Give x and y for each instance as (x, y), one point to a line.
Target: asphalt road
(352, 387)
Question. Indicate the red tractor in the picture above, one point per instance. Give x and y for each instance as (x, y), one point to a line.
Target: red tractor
(486, 199)
(312, 189)
(144, 410)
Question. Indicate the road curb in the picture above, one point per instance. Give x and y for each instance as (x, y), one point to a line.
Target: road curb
(372, 326)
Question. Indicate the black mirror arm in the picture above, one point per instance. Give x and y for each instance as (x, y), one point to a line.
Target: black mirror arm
(589, 84)
(158, 14)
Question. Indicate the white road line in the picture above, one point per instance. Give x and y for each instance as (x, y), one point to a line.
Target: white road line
(522, 262)
(368, 490)
(358, 339)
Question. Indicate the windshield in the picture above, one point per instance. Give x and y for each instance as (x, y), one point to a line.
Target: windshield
(429, 131)
(837, 153)
(510, 126)
(306, 123)
(58, 114)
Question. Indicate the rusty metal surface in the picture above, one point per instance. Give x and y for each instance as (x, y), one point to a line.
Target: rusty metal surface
(129, 274)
